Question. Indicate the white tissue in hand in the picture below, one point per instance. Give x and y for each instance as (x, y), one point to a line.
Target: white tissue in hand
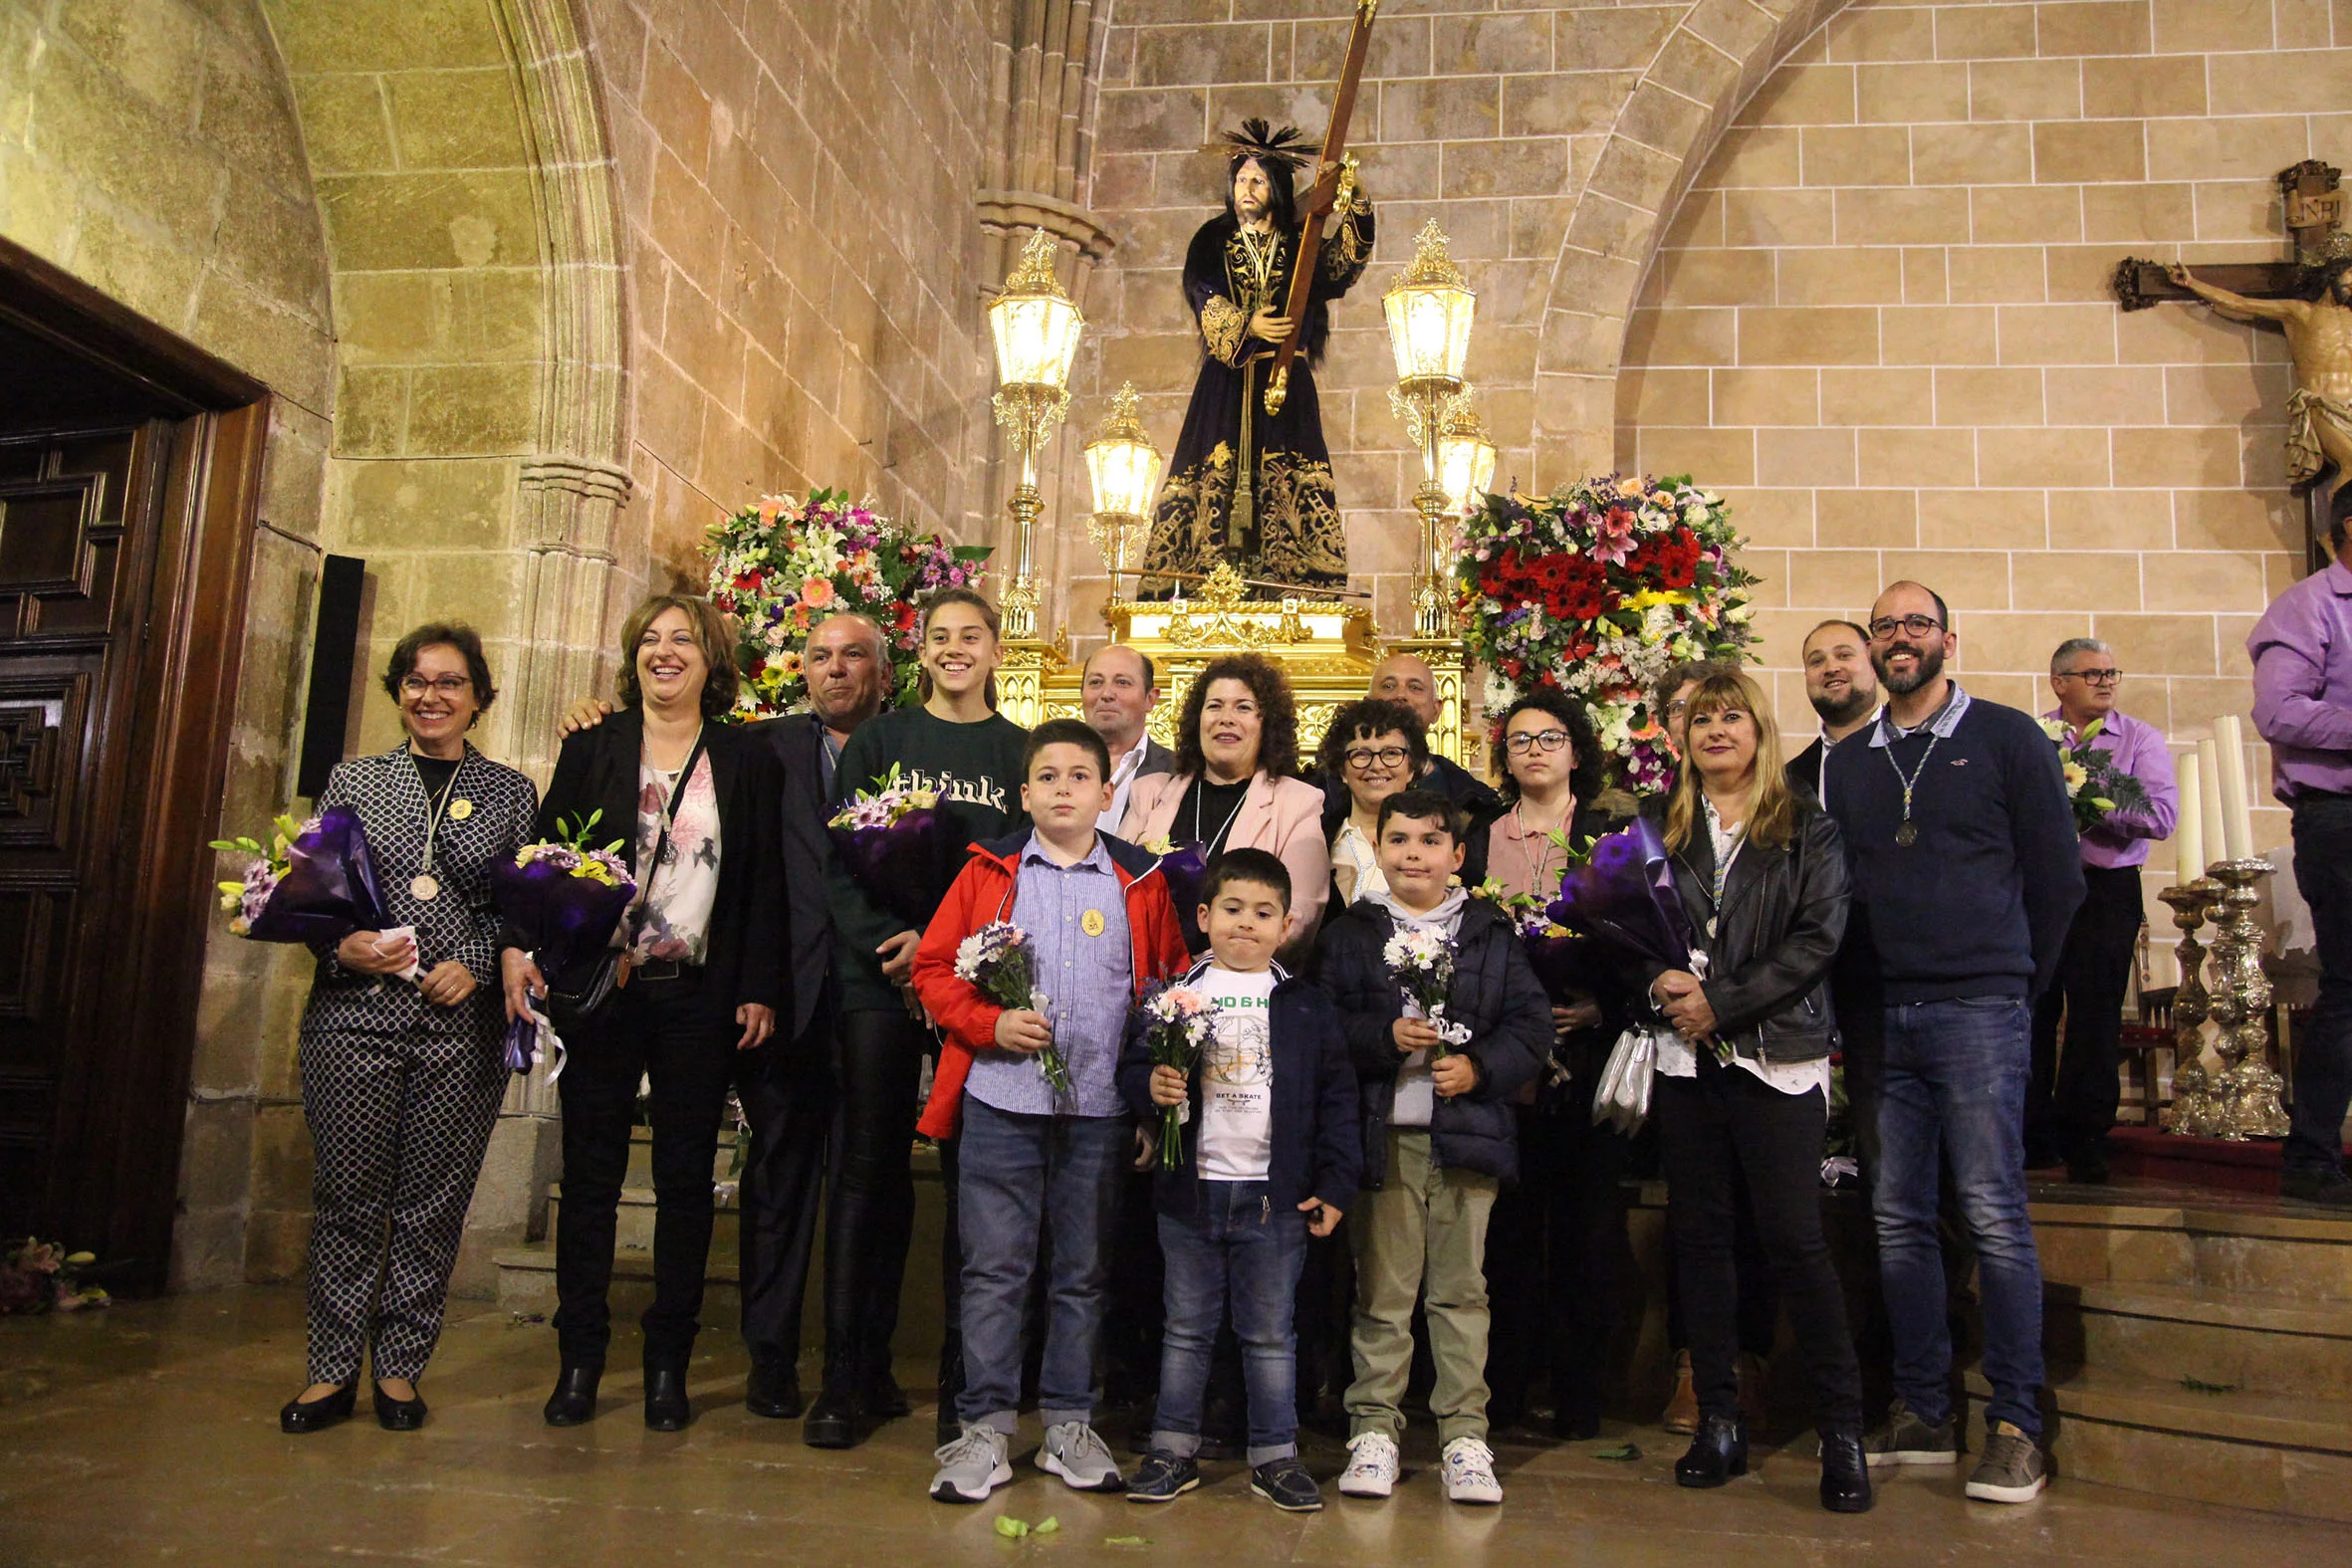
(389, 938)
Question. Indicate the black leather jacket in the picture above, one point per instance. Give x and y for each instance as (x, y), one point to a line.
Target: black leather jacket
(1776, 933)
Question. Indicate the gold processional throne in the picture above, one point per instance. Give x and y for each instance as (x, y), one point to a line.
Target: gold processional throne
(1325, 645)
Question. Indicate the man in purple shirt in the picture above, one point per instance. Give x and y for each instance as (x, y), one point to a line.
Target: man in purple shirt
(2302, 654)
(2070, 1103)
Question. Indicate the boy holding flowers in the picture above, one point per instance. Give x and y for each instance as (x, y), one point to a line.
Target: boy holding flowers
(1266, 1154)
(1089, 917)
(1438, 1132)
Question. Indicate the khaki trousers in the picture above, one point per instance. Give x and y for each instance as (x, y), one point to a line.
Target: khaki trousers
(1421, 1238)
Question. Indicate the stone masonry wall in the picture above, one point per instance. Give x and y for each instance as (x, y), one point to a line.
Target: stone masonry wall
(1881, 322)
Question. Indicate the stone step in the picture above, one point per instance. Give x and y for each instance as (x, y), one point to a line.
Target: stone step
(2290, 1456)
(633, 1227)
(2260, 1248)
(2193, 1334)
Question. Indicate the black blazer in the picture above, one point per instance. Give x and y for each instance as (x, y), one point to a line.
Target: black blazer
(597, 771)
(797, 740)
(1778, 930)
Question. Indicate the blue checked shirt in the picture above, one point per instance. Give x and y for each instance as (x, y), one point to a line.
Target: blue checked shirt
(1089, 982)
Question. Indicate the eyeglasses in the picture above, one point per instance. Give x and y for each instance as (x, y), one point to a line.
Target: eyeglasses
(2094, 677)
(1524, 742)
(444, 686)
(1917, 625)
(1362, 756)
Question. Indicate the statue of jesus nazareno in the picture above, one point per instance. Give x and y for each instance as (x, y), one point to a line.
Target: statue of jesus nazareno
(1246, 488)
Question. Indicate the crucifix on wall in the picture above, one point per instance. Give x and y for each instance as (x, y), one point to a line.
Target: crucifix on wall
(2309, 298)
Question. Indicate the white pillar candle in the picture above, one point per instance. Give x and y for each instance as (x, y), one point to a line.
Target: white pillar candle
(2188, 827)
(2208, 803)
(2237, 822)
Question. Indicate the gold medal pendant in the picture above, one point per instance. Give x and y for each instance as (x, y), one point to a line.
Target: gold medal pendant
(1906, 835)
(425, 886)
(1091, 921)
(459, 810)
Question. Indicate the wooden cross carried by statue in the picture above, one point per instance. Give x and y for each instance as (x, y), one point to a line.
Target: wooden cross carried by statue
(2310, 298)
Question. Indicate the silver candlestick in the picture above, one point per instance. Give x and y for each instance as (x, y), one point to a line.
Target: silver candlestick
(2192, 1090)
(2245, 1090)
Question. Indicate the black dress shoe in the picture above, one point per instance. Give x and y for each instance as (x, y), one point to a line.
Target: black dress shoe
(1845, 1477)
(831, 1422)
(1717, 1454)
(317, 1415)
(772, 1390)
(884, 1398)
(575, 1400)
(666, 1406)
(398, 1415)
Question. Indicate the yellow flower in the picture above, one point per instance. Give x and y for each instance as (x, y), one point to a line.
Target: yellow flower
(2076, 776)
(1649, 597)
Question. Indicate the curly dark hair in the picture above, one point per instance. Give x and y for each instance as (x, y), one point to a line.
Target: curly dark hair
(1277, 736)
(1366, 719)
(2319, 279)
(1585, 774)
(443, 633)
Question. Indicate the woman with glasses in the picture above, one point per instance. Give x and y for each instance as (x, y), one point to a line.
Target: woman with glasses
(1554, 1240)
(1374, 747)
(402, 1071)
(1743, 1085)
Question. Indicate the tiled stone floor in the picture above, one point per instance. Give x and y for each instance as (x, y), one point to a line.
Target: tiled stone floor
(149, 1434)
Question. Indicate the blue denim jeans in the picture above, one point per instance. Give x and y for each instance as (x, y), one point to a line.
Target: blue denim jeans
(1242, 1250)
(1022, 1175)
(1955, 1075)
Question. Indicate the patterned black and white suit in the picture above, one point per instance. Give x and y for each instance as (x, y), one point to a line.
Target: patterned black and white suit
(401, 1094)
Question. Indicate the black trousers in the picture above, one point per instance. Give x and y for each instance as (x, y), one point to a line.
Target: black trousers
(2323, 1057)
(1553, 1250)
(790, 1099)
(869, 1219)
(1723, 1123)
(683, 1039)
(2071, 1098)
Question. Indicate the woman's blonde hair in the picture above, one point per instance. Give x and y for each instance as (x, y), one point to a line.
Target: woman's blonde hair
(710, 635)
(1771, 816)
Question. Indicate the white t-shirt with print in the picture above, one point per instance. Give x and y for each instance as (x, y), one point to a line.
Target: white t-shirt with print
(1237, 1078)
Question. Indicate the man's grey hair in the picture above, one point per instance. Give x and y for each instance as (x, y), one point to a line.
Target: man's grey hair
(2072, 646)
(881, 642)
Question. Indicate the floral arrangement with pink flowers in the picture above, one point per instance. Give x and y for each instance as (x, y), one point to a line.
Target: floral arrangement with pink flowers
(1178, 1022)
(1597, 591)
(783, 565)
(1000, 961)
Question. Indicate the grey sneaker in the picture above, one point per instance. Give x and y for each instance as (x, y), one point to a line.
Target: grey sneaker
(1081, 1458)
(972, 1466)
(2013, 1468)
(1907, 1440)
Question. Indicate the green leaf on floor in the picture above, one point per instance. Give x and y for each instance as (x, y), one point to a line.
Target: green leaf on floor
(1623, 1453)
(2200, 1386)
(1046, 1525)
(1010, 1528)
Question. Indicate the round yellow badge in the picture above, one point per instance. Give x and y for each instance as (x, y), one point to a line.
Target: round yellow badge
(1091, 921)
(461, 809)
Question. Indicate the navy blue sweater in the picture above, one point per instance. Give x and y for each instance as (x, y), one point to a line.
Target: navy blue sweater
(1979, 906)
(1315, 1153)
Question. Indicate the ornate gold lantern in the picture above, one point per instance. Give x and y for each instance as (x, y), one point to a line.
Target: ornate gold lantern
(1036, 327)
(1430, 312)
(1125, 469)
(1465, 455)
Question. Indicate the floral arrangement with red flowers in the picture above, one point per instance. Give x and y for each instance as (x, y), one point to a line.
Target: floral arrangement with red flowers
(1597, 591)
(783, 565)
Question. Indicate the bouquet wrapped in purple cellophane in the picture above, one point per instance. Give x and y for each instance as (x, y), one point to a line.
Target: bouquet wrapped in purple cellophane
(888, 841)
(1185, 868)
(1624, 895)
(561, 900)
(315, 882)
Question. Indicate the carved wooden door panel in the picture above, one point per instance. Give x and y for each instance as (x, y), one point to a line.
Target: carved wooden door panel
(80, 519)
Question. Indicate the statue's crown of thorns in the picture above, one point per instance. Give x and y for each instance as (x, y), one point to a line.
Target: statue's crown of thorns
(1257, 140)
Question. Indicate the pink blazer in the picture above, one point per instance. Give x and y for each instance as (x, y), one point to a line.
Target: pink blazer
(1283, 815)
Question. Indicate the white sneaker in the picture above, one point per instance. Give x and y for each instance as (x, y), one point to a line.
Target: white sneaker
(1072, 1452)
(1371, 1465)
(972, 1466)
(1469, 1472)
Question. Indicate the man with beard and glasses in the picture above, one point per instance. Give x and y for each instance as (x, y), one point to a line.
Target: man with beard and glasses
(1844, 689)
(1966, 875)
(789, 1088)
(2073, 1102)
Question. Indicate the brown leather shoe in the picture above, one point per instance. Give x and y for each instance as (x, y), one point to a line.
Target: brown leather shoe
(1682, 1408)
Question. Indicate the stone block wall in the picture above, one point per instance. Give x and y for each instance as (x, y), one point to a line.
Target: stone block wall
(1880, 322)
(797, 183)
